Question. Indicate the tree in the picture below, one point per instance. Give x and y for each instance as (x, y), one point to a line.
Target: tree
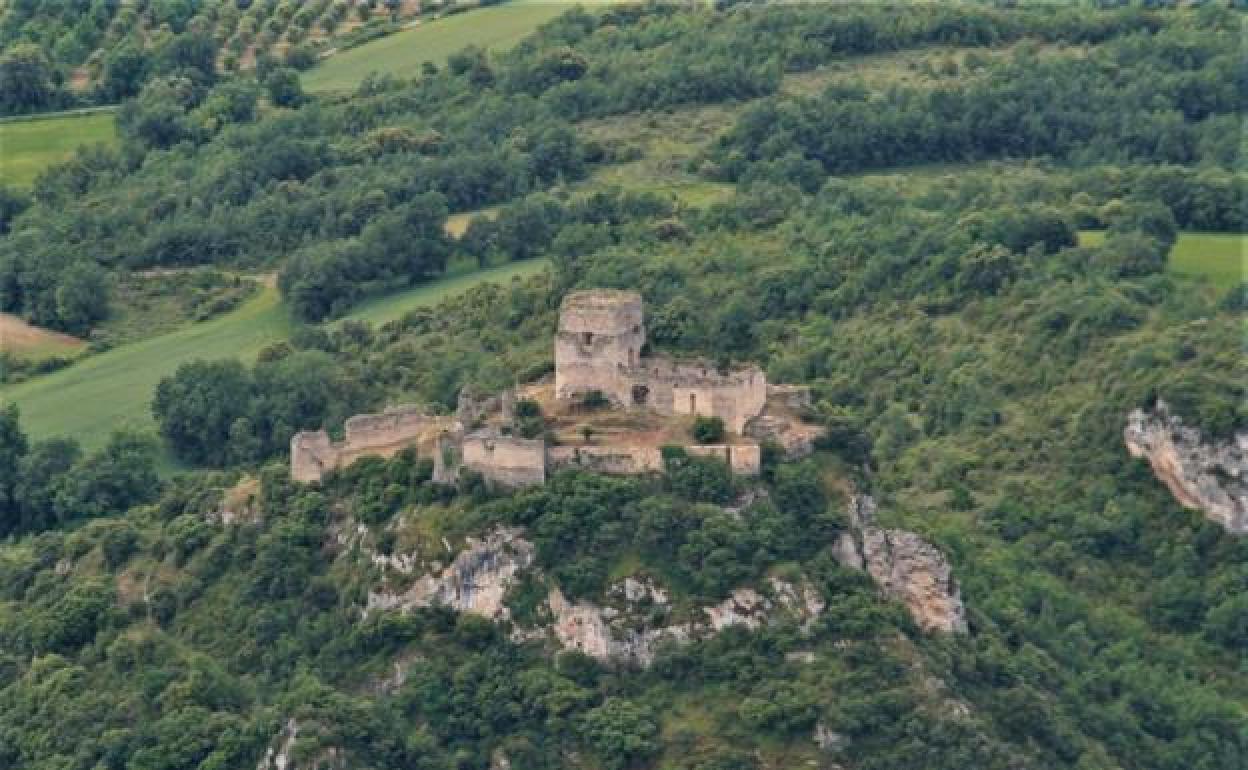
(112, 480)
(197, 407)
(620, 732)
(13, 201)
(13, 446)
(82, 298)
(158, 116)
(284, 87)
(44, 470)
(708, 430)
(27, 80)
(125, 68)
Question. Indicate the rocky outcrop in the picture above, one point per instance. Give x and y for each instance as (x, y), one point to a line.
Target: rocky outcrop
(281, 753)
(905, 567)
(1203, 475)
(625, 635)
(629, 630)
(476, 581)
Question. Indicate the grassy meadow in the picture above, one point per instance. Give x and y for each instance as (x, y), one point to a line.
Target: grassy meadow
(496, 27)
(1222, 258)
(28, 146)
(113, 389)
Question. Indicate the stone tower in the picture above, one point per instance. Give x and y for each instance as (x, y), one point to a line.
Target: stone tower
(598, 343)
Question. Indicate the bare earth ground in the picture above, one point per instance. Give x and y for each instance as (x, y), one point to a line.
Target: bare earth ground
(17, 336)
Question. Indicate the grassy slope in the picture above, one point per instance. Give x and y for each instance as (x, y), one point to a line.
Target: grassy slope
(402, 53)
(29, 146)
(112, 390)
(1220, 257)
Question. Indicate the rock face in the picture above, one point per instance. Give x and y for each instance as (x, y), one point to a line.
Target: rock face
(476, 581)
(629, 631)
(1211, 477)
(905, 567)
(627, 636)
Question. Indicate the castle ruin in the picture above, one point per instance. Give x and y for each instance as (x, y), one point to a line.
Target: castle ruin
(599, 349)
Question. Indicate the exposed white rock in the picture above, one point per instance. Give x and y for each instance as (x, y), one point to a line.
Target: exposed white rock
(909, 568)
(588, 628)
(278, 757)
(905, 567)
(828, 739)
(1207, 476)
(476, 581)
(479, 577)
(615, 636)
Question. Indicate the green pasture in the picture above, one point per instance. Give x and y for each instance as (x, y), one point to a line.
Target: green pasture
(496, 27)
(112, 390)
(28, 146)
(1222, 258)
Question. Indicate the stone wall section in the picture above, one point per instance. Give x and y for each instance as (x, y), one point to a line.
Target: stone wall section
(743, 459)
(313, 454)
(507, 461)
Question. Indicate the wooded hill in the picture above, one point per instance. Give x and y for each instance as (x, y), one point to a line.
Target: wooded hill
(973, 363)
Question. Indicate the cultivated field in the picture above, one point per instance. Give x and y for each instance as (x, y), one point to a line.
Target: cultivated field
(113, 390)
(497, 27)
(1220, 257)
(28, 146)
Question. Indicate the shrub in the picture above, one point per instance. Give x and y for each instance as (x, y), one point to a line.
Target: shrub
(708, 430)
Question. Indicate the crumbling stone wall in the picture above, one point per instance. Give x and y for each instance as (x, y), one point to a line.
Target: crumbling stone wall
(626, 460)
(743, 459)
(505, 460)
(599, 339)
(313, 454)
(598, 347)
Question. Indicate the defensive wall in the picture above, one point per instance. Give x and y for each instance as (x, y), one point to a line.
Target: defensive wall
(598, 347)
(313, 453)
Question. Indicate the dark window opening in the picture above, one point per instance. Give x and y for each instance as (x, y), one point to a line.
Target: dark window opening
(641, 394)
(587, 338)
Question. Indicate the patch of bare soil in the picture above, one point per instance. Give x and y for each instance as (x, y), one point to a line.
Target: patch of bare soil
(17, 336)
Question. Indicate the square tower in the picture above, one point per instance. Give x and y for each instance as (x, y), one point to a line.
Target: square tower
(598, 343)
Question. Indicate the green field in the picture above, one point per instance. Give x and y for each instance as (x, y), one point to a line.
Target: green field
(1220, 257)
(29, 146)
(497, 27)
(112, 390)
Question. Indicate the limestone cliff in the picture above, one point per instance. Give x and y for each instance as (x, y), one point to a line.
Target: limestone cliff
(905, 567)
(625, 634)
(1205, 475)
(629, 629)
(476, 581)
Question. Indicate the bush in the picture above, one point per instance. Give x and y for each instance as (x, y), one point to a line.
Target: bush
(708, 430)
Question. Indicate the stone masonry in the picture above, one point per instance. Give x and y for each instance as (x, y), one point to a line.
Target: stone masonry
(598, 347)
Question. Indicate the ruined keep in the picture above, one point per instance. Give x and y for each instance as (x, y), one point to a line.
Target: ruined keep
(598, 348)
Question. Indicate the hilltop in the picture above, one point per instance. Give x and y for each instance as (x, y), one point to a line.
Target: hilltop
(993, 247)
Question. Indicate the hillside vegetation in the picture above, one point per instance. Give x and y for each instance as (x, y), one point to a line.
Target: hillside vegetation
(401, 54)
(904, 237)
(27, 147)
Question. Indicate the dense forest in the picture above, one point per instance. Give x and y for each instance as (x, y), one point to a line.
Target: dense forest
(971, 357)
